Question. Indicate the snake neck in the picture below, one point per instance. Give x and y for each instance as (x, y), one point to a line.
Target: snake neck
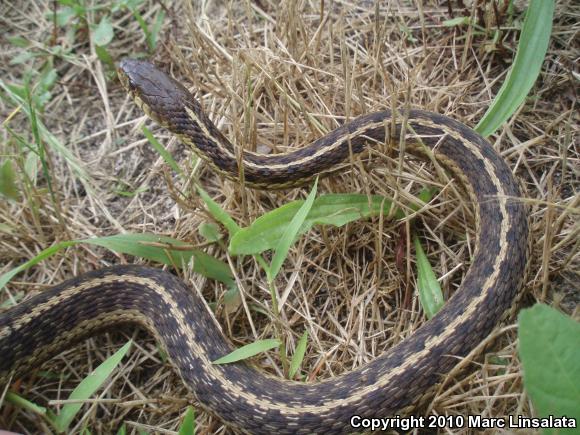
(298, 167)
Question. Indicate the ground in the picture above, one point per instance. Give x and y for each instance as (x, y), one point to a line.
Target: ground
(274, 77)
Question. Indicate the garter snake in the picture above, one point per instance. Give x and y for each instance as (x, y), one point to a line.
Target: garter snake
(239, 394)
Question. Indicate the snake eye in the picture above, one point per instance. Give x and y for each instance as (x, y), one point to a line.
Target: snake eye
(128, 82)
(131, 84)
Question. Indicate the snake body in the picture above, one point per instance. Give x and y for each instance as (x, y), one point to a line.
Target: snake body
(239, 394)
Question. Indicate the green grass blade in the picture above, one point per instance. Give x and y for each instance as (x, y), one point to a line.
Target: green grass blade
(23, 403)
(187, 426)
(88, 387)
(6, 277)
(153, 35)
(549, 347)
(54, 143)
(430, 294)
(298, 356)
(290, 234)
(162, 151)
(248, 351)
(530, 54)
(10, 302)
(144, 27)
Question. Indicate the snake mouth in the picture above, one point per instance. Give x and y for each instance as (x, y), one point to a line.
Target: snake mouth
(125, 82)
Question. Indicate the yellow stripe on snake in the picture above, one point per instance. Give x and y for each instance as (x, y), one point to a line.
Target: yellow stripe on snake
(241, 395)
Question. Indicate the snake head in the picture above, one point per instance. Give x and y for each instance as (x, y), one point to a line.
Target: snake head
(159, 95)
(171, 105)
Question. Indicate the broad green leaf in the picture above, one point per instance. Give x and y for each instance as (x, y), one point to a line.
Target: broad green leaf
(103, 33)
(31, 166)
(298, 355)
(162, 151)
(18, 41)
(218, 213)
(8, 180)
(430, 294)
(457, 21)
(333, 209)
(168, 251)
(290, 234)
(188, 424)
(549, 347)
(210, 232)
(248, 351)
(530, 54)
(47, 77)
(88, 387)
(122, 430)
(232, 300)
(64, 16)
(22, 57)
(104, 56)
(213, 268)
(162, 249)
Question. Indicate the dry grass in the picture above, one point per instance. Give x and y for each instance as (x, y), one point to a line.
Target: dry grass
(272, 77)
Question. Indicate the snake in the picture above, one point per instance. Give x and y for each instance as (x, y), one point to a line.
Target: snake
(240, 394)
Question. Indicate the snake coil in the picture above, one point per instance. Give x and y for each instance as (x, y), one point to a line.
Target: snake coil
(239, 394)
